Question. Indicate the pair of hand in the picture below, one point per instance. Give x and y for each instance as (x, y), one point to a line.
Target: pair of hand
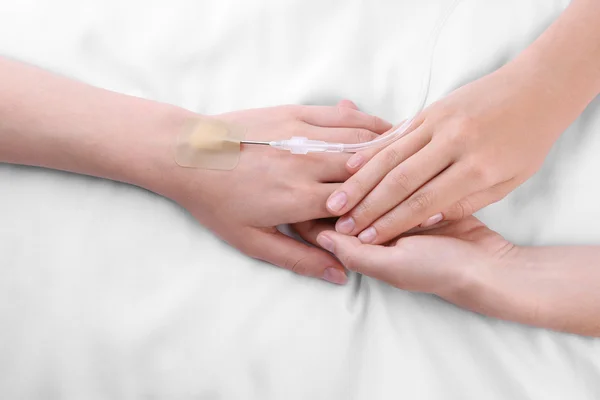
(463, 153)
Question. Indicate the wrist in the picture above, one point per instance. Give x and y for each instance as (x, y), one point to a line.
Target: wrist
(517, 287)
(484, 287)
(150, 150)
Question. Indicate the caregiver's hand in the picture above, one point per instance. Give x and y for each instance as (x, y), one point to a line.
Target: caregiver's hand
(54, 122)
(466, 263)
(478, 144)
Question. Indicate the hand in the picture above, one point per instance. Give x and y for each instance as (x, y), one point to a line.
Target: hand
(466, 263)
(271, 187)
(464, 152)
(443, 260)
(67, 125)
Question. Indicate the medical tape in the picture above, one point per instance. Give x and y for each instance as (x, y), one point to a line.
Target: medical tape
(208, 143)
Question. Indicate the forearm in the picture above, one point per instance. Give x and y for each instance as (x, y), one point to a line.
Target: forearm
(54, 122)
(558, 75)
(551, 287)
(567, 54)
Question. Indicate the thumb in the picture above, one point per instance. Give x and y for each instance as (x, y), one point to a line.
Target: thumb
(348, 104)
(410, 265)
(283, 251)
(471, 204)
(375, 261)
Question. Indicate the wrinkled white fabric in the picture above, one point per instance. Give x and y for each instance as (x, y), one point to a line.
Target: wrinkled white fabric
(109, 291)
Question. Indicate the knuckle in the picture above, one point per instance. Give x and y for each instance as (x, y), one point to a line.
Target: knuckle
(392, 156)
(456, 138)
(360, 186)
(460, 129)
(313, 196)
(296, 265)
(296, 126)
(374, 122)
(293, 110)
(465, 123)
(400, 182)
(363, 135)
(312, 201)
(350, 261)
(466, 208)
(295, 194)
(478, 172)
(363, 208)
(460, 210)
(344, 113)
(420, 202)
(386, 224)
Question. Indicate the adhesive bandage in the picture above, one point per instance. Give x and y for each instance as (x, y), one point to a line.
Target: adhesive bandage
(208, 143)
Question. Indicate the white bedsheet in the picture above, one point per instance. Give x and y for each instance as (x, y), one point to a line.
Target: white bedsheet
(110, 292)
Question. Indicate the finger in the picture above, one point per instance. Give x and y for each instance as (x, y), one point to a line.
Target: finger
(320, 167)
(348, 104)
(363, 181)
(285, 252)
(310, 203)
(407, 265)
(334, 165)
(362, 157)
(338, 135)
(365, 259)
(309, 230)
(342, 117)
(460, 229)
(396, 186)
(453, 184)
(476, 201)
(331, 169)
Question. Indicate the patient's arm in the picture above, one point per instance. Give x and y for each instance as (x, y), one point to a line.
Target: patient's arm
(471, 266)
(54, 122)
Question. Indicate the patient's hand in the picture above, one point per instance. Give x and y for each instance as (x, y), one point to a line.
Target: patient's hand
(271, 187)
(470, 265)
(55, 122)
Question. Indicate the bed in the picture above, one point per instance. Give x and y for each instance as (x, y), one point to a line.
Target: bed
(108, 291)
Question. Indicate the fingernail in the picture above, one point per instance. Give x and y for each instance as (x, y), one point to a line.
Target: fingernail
(325, 243)
(337, 201)
(432, 220)
(355, 161)
(368, 235)
(334, 275)
(345, 225)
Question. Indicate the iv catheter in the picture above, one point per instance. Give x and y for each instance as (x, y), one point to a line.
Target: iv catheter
(302, 145)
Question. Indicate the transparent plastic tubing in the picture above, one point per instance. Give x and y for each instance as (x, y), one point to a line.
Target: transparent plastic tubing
(301, 145)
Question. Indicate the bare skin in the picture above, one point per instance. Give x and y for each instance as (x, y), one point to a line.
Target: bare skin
(476, 145)
(466, 263)
(54, 122)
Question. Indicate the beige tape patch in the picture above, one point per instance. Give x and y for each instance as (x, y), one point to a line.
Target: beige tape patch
(208, 143)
